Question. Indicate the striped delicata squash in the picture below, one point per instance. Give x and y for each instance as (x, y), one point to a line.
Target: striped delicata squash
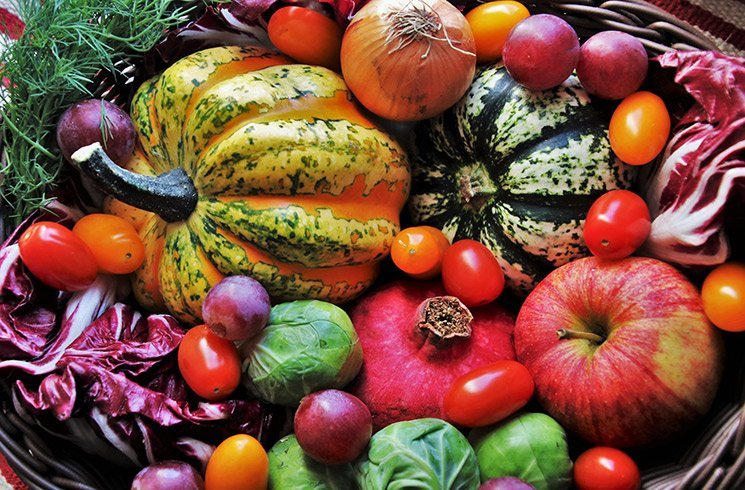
(249, 165)
(516, 170)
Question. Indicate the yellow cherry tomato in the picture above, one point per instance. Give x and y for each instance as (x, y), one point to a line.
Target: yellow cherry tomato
(418, 251)
(114, 242)
(238, 463)
(491, 23)
(639, 128)
(723, 294)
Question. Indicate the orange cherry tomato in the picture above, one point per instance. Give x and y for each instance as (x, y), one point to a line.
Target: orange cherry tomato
(491, 23)
(606, 468)
(238, 463)
(418, 251)
(209, 364)
(488, 394)
(723, 294)
(306, 35)
(114, 242)
(639, 128)
(57, 257)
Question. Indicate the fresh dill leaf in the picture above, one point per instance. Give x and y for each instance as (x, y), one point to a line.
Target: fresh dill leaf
(64, 45)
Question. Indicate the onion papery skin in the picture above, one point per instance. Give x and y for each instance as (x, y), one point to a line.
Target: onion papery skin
(413, 82)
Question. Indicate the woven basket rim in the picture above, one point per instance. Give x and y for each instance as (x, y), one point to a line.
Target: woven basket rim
(718, 459)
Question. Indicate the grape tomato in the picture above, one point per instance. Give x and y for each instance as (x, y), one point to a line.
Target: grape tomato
(490, 23)
(114, 242)
(306, 35)
(639, 128)
(488, 394)
(57, 257)
(419, 250)
(238, 463)
(210, 365)
(606, 468)
(723, 295)
(471, 273)
(617, 224)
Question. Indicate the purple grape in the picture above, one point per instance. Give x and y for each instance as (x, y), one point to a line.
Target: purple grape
(541, 51)
(236, 308)
(168, 475)
(612, 65)
(332, 426)
(506, 483)
(94, 120)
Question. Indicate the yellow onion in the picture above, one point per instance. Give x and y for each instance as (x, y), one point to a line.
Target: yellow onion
(407, 60)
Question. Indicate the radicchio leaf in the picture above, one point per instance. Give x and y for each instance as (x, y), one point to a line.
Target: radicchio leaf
(703, 165)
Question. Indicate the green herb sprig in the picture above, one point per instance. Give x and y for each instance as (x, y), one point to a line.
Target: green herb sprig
(52, 65)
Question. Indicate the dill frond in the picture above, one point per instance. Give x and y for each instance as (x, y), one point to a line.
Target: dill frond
(52, 65)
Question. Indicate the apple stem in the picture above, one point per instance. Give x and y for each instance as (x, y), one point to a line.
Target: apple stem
(564, 333)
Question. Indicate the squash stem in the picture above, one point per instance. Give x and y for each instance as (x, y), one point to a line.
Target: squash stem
(170, 195)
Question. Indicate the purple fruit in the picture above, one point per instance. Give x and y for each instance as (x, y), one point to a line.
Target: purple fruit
(541, 52)
(95, 120)
(332, 426)
(236, 308)
(612, 65)
(506, 483)
(168, 475)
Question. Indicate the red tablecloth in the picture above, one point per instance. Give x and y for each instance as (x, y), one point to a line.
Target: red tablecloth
(723, 21)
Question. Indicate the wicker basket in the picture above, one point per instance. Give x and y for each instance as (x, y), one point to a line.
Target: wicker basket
(712, 457)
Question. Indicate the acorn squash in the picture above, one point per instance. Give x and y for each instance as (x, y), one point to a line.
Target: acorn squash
(516, 170)
(248, 165)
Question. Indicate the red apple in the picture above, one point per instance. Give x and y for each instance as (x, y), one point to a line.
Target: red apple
(621, 352)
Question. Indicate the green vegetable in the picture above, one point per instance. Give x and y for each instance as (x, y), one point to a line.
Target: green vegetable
(53, 64)
(307, 346)
(530, 446)
(424, 453)
(291, 469)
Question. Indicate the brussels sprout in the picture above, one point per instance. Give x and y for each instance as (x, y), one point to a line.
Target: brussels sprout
(291, 469)
(529, 446)
(306, 346)
(423, 453)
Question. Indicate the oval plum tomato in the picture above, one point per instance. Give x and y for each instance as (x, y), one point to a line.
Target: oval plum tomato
(418, 251)
(639, 128)
(209, 364)
(723, 294)
(491, 23)
(57, 257)
(114, 242)
(488, 394)
(238, 463)
(605, 468)
(471, 273)
(617, 224)
(307, 36)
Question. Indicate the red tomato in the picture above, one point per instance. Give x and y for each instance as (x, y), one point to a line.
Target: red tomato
(238, 463)
(57, 257)
(210, 365)
(419, 250)
(605, 468)
(639, 128)
(114, 242)
(471, 273)
(723, 294)
(617, 224)
(306, 35)
(491, 23)
(489, 394)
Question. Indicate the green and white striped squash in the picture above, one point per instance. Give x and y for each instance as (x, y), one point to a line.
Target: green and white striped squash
(516, 170)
